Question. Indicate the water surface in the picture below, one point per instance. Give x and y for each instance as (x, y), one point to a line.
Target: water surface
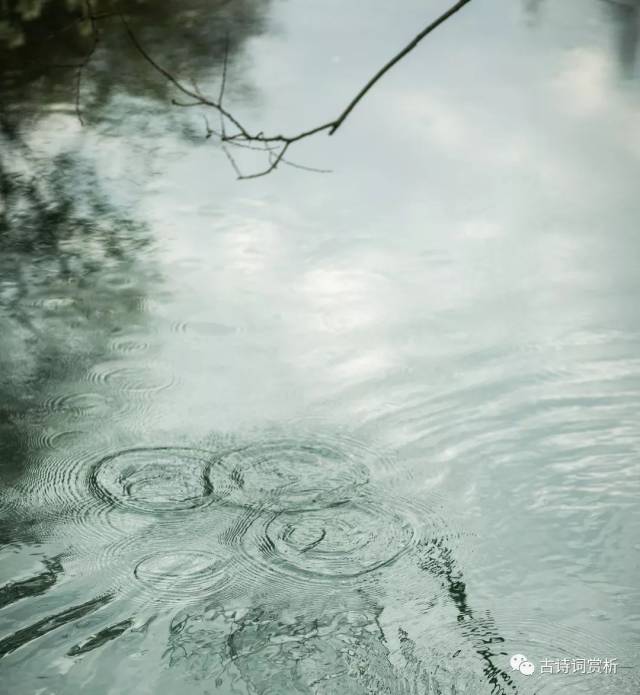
(368, 431)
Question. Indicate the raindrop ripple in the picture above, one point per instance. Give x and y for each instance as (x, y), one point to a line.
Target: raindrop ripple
(153, 479)
(290, 474)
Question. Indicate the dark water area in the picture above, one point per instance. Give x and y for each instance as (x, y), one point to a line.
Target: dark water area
(367, 431)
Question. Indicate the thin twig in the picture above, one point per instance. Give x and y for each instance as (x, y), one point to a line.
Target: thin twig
(396, 59)
(232, 161)
(304, 167)
(175, 102)
(294, 165)
(210, 131)
(87, 59)
(176, 83)
(272, 167)
(78, 81)
(223, 82)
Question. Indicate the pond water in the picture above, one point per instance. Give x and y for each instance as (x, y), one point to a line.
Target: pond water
(368, 431)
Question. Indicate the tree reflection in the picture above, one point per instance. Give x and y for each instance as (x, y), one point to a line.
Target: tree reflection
(70, 275)
(625, 15)
(75, 265)
(533, 9)
(43, 43)
(272, 146)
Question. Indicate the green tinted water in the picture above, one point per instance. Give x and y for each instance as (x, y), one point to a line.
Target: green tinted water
(373, 431)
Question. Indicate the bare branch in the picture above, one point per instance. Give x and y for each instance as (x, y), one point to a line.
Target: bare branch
(275, 145)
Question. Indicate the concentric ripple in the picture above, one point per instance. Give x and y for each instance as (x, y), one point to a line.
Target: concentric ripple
(143, 377)
(42, 438)
(153, 480)
(134, 559)
(340, 542)
(54, 495)
(181, 575)
(346, 543)
(289, 474)
(129, 345)
(203, 328)
(80, 404)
